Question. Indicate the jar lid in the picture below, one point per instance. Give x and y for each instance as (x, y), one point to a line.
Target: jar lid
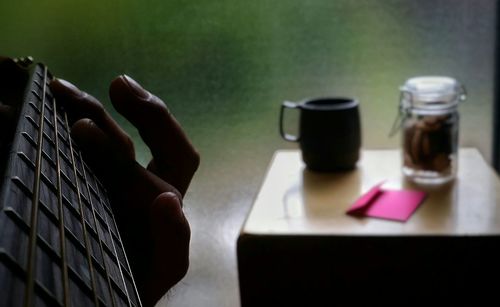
(432, 92)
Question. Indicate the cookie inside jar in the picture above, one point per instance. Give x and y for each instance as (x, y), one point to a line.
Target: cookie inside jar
(430, 128)
(429, 143)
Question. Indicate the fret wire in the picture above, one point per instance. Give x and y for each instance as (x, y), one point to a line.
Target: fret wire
(126, 263)
(118, 263)
(29, 291)
(52, 123)
(100, 240)
(115, 255)
(62, 236)
(80, 204)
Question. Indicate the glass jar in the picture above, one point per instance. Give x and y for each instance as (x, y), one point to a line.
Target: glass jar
(430, 121)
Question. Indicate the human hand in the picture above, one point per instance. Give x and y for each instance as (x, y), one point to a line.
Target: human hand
(147, 202)
(13, 76)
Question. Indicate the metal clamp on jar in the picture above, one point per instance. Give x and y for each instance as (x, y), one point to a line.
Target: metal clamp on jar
(430, 121)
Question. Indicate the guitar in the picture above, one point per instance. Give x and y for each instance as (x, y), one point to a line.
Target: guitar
(59, 243)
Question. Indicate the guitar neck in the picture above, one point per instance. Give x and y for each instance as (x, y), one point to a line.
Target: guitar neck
(59, 243)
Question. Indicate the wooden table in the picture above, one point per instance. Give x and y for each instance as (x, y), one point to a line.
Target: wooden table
(299, 247)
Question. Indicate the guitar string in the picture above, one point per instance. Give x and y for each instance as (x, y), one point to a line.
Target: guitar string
(32, 250)
(127, 264)
(101, 240)
(119, 265)
(61, 212)
(35, 201)
(87, 240)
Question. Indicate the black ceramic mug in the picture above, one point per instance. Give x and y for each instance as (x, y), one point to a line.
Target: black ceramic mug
(329, 132)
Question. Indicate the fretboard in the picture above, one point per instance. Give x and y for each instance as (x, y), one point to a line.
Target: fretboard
(59, 243)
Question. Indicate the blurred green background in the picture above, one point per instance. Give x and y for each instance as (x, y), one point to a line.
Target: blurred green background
(224, 67)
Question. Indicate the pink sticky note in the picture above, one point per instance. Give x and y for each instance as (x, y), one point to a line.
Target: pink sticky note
(396, 205)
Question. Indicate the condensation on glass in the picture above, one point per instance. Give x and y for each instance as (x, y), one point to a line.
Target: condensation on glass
(430, 123)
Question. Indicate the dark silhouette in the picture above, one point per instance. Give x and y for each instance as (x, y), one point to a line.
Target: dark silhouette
(147, 202)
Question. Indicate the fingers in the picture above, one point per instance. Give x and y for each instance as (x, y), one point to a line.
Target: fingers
(7, 122)
(4, 59)
(174, 157)
(6, 114)
(119, 174)
(95, 146)
(171, 236)
(80, 105)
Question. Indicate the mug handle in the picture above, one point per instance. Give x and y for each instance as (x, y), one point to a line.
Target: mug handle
(284, 135)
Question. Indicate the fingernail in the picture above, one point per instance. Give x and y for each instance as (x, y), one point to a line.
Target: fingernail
(135, 88)
(70, 88)
(173, 195)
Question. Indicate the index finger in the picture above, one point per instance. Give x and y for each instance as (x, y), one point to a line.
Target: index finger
(80, 105)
